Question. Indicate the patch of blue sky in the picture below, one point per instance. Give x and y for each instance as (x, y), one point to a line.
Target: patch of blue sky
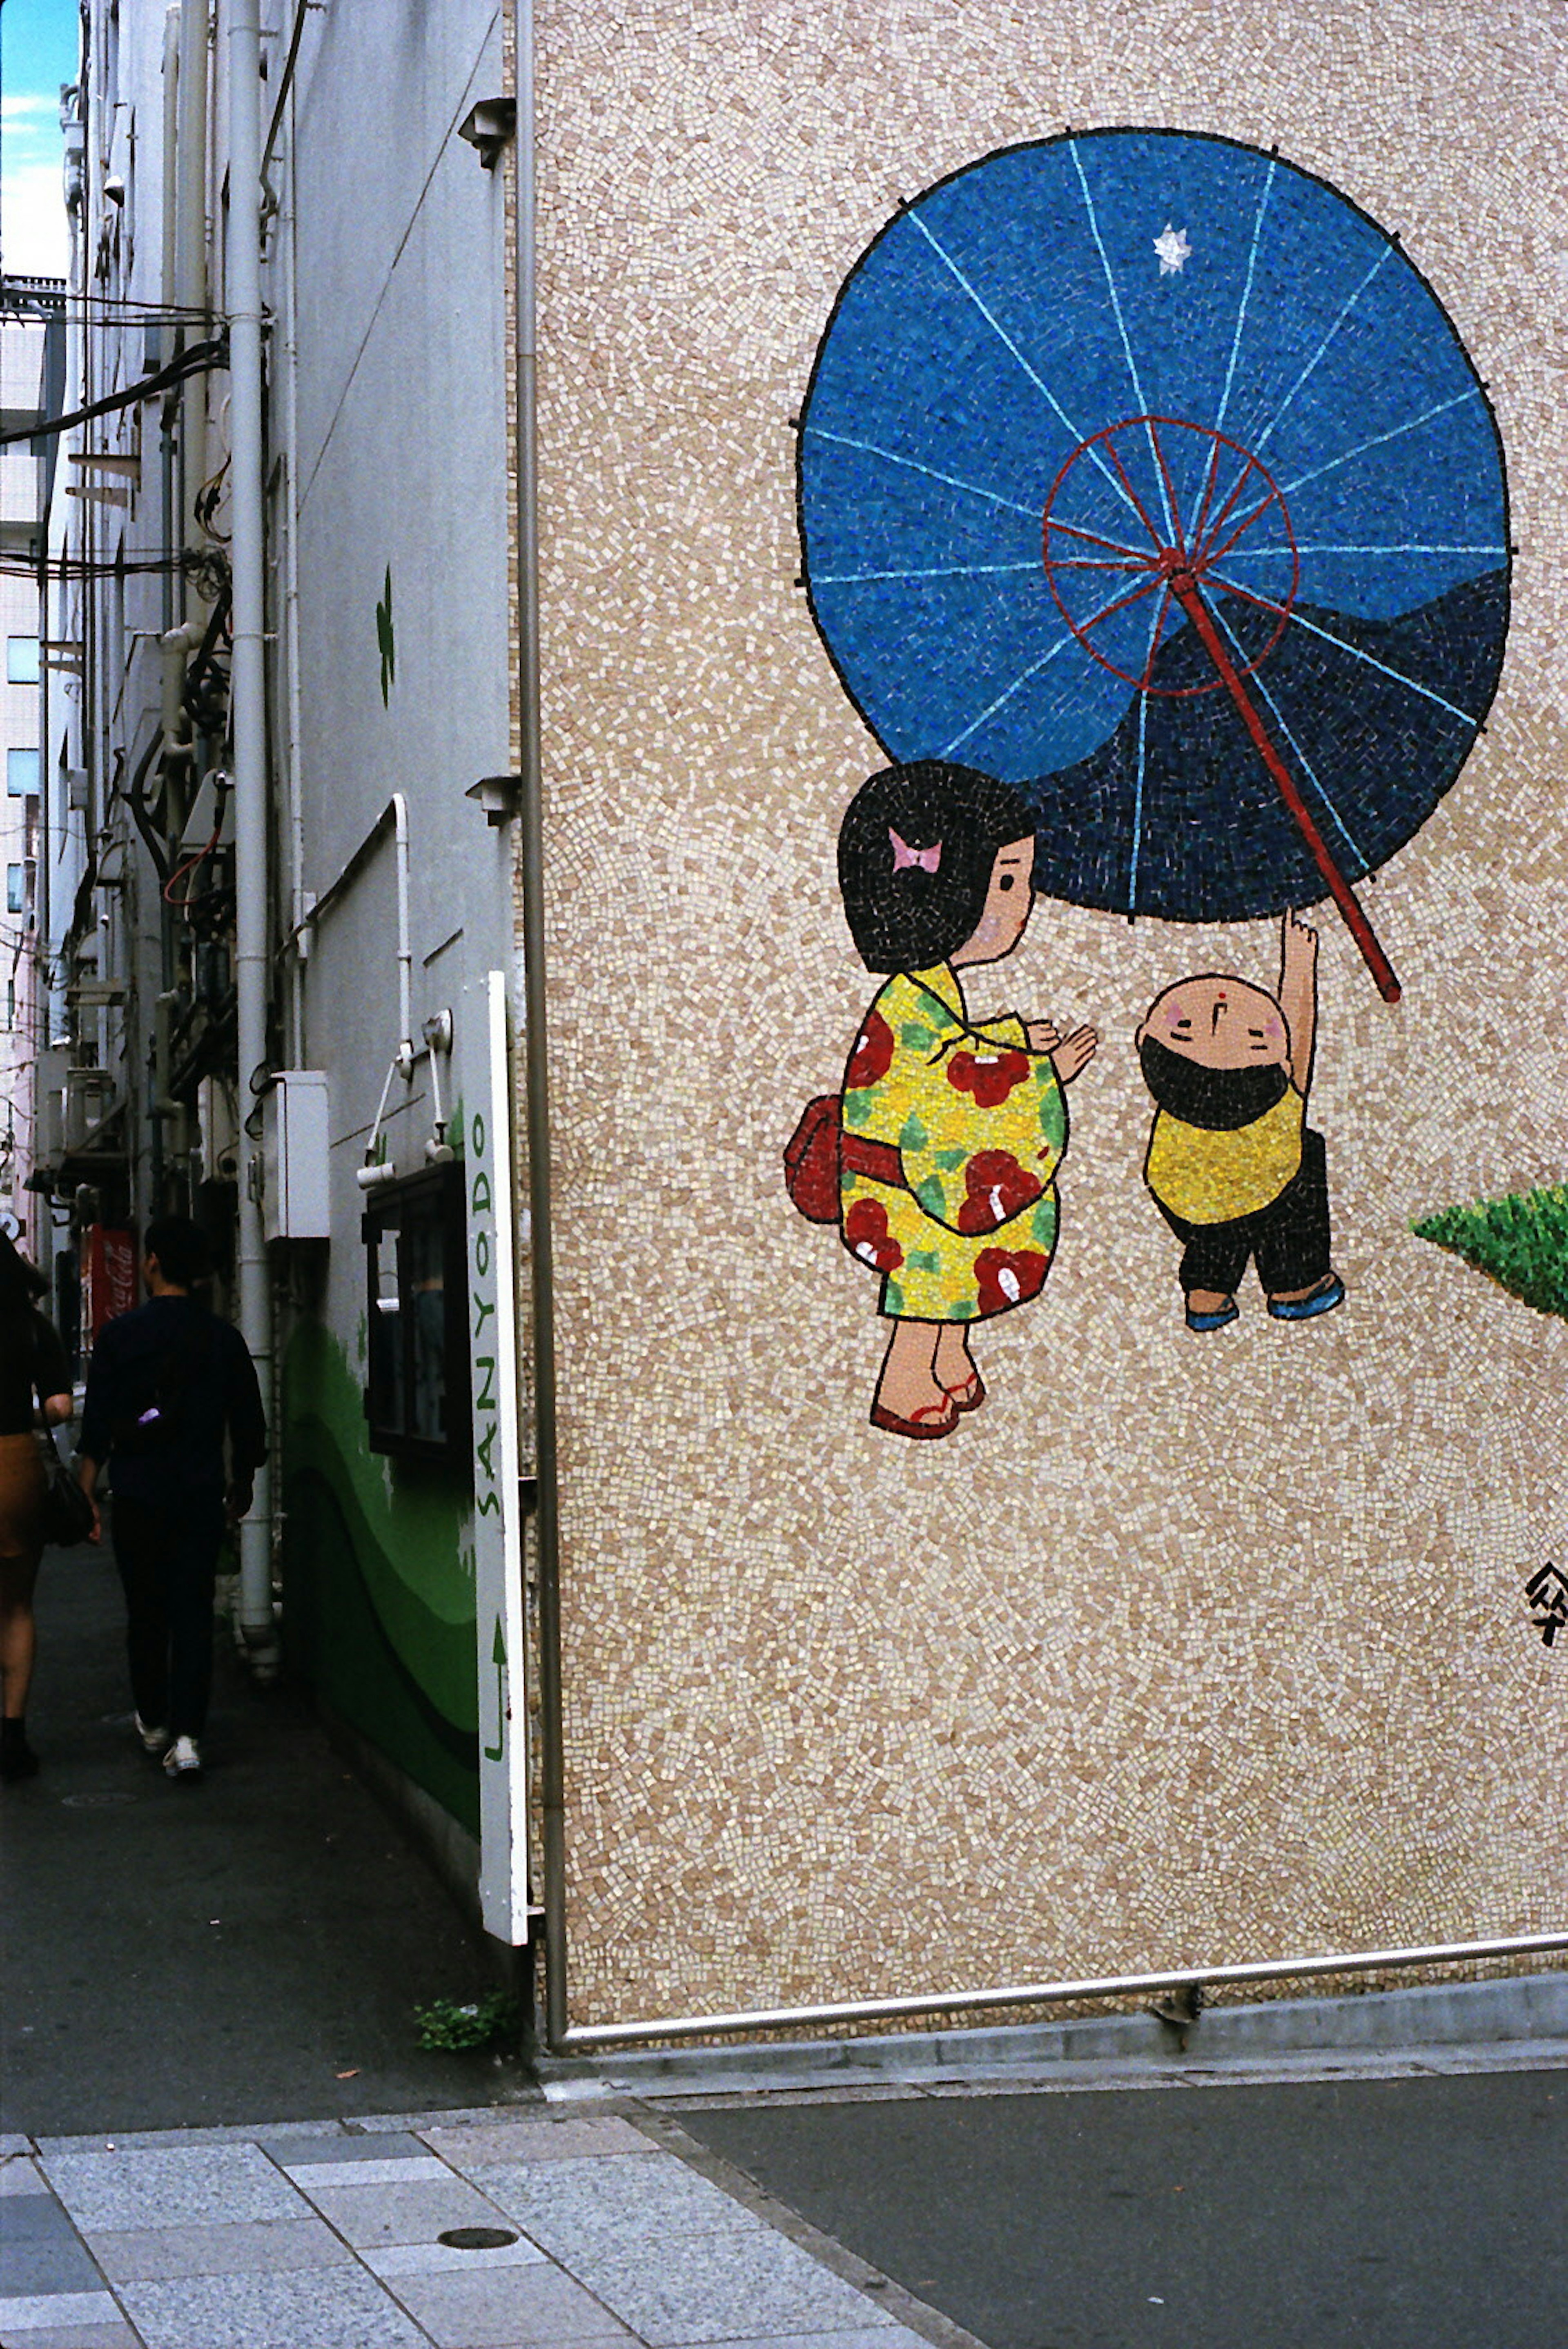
(37, 56)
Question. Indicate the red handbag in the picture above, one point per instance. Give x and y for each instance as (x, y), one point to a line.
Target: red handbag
(819, 1151)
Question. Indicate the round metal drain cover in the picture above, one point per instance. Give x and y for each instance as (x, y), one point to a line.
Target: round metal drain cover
(477, 2239)
(110, 1801)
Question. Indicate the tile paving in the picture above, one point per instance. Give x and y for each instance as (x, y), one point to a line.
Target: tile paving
(329, 2237)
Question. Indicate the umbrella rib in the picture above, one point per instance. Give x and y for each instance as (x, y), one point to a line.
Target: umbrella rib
(1117, 307)
(1035, 666)
(1283, 724)
(1246, 295)
(912, 464)
(1269, 430)
(1095, 537)
(1241, 322)
(1132, 493)
(1298, 620)
(1211, 554)
(1104, 614)
(1377, 439)
(1173, 500)
(944, 571)
(1258, 554)
(1000, 330)
(1163, 607)
(1220, 519)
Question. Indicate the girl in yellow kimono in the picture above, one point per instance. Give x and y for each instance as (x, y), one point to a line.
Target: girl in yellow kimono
(951, 1132)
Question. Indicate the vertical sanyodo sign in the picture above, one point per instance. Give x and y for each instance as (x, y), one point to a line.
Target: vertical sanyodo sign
(497, 1526)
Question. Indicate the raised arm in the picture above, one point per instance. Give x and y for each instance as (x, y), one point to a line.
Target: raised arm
(1298, 994)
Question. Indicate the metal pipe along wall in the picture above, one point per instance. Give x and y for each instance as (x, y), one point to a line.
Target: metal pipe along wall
(248, 719)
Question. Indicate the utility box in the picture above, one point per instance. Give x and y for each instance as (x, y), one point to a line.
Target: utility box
(218, 1124)
(295, 1188)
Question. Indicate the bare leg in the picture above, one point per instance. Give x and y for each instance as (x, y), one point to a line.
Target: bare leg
(955, 1365)
(1208, 1301)
(909, 1383)
(18, 1635)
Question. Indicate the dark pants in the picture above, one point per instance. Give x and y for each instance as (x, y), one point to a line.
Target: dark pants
(167, 1560)
(1289, 1237)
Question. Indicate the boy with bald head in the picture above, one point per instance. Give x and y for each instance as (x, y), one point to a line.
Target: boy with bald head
(1232, 1165)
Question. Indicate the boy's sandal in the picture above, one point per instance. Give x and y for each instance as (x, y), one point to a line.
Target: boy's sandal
(971, 1395)
(916, 1424)
(1228, 1312)
(1304, 1309)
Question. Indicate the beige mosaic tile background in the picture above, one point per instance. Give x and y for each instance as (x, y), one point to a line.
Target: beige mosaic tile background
(1179, 1652)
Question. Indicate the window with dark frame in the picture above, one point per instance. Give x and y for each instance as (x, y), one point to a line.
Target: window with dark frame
(417, 1394)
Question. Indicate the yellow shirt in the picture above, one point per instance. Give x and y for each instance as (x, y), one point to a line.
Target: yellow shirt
(1206, 1177)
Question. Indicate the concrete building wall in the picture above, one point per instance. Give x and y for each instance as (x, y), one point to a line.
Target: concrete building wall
(1184, 1650)
(395, 436)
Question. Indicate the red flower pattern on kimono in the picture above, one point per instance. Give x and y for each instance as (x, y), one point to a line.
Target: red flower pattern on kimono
(989, 1079)
(1009, 1277)
(873, 1054)
(996, 1187)
(865, 1235)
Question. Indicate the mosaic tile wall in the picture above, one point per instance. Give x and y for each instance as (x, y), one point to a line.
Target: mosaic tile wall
(1186, 1648)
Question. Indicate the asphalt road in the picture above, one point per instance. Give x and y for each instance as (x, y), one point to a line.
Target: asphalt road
(1373, 2214)
(216, 1952)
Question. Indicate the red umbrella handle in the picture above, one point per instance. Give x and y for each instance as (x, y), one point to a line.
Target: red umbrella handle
(1184, 587)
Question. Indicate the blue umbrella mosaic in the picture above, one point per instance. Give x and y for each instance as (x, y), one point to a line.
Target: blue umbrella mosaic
(1143, 471)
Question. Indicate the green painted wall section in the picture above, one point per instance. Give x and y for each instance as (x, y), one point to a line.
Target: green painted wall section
(378, 1580)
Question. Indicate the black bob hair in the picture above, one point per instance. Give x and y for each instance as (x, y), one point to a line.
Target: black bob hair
(20, 1282)
(908, 918)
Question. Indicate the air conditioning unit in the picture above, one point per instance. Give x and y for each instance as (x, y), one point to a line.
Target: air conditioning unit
(217, 1118)
(89, 1095)
(50, 1097)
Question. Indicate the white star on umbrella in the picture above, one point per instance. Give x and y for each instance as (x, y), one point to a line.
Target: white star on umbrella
(1173, 249)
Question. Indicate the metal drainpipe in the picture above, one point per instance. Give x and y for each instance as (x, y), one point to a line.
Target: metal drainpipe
(248, 722)
(287, 227)
(536, 1065)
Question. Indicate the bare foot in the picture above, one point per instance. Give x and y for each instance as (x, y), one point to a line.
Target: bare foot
(1208, 1301)
(1299, 1296)
(955, 1366)
(909, 1386)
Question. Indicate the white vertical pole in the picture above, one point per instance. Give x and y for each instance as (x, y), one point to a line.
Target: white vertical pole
(248, 722)
(499, 1602)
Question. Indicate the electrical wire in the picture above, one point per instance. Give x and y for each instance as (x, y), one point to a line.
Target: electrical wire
(190, 865)
(200, 358)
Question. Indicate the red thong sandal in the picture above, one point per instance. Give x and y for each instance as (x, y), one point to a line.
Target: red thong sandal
(971, 1395)
(915, 1425)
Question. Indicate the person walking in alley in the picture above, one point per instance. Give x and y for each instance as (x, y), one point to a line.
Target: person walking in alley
(32, 1366)
(167, 1384)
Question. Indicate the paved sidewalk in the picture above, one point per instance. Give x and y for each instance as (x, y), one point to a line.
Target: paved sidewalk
(468, 2231)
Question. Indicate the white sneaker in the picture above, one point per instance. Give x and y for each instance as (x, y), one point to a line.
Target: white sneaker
(153, 1740)
(183, 1759)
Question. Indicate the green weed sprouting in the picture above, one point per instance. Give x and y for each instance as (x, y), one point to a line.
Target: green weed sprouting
(451, 2026)
(1520, 1242)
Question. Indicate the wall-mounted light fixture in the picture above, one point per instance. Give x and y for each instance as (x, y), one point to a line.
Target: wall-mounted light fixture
(498, 795)
(488, 127)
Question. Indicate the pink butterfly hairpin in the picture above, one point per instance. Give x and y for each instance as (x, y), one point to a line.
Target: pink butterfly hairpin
(914, 859)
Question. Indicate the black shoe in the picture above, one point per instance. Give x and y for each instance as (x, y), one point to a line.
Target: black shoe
(17, 1759)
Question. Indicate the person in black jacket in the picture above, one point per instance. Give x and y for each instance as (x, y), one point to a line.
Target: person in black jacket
(32, 1365)
(170, 1386)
